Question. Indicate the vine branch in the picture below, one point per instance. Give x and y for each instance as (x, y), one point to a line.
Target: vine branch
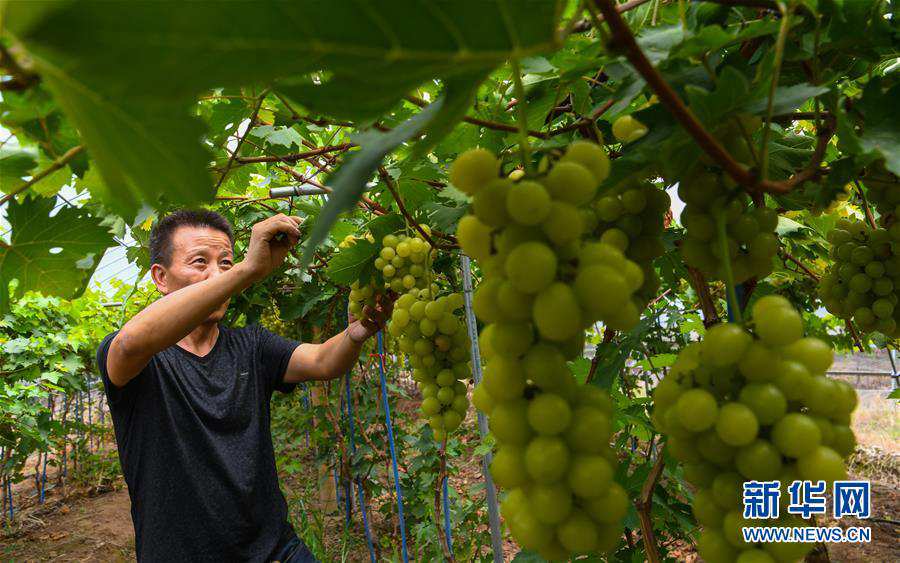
(623, 39)
(295, 156)
(644, 507)
(237, 149)
(389, 182)
(56, 165)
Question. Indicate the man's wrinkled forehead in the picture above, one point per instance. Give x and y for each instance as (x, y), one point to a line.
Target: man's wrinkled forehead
(188, 239)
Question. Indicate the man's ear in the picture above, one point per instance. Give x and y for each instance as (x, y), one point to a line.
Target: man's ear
(160, 278)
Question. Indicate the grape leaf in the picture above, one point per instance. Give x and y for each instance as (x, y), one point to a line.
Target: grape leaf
(126, 73)
(14, 164)
(55, 255)
(349, 181)
(347, 265)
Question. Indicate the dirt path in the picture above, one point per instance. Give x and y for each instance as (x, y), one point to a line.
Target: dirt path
(95, 529)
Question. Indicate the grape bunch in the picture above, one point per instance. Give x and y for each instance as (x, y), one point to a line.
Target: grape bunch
(543, 284)
(737, 407)
(431, 331)
(750, 241)
(362, 295)
(861, 283)
(631, 217)
(404, 262)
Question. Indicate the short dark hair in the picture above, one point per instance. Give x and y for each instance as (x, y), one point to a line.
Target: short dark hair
(164, 230)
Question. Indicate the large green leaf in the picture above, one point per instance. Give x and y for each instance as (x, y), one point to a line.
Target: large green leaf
(126, 72)
(348, 265)
(55, 255)
(350, 180)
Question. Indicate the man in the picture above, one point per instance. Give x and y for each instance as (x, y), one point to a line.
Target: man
(190, 399)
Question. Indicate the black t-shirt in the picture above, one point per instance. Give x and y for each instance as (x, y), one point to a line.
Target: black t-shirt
(196, 449)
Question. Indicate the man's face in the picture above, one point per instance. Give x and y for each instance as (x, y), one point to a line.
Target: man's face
(198, 253)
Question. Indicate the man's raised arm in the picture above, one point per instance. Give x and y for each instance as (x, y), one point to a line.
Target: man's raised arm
(170, 319)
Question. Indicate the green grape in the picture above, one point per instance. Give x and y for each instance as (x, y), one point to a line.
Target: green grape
(627, 129)
(489, 203)
(697, 410)
(482, 399)
(609, 208)
(571, 182)
(754, 556)
(760, 461)
(452, 420)
(508, 467)
(530, 533)
(430, 406)
(514, 304)
(474, 237)
(778, 326)
(546, 458)
(587, 424)
(822, 464)
(503, 379)
(549, 414)
(813, 353)
(544, 365)
(551, 503)
(473, 169)
(736, 424)
(757, 363)
(705, 508)
(609, 507)
(766, 401)
(600, 304)
(796, 435)
(509, 422)
(511, 339)
(528, 203)
(725, 344)
(699, 225)
(843, 440)
(590, 476)
(821, 395)
(712, 448)
(556, 312)
(714, 548)
(634, 201)
(731, 528)
(484, 302)
(563, 223)
(792, 379)
(615, 238)
(700, 474)
(727, 488)
(531, 267)
(591, 156)
(578, 533)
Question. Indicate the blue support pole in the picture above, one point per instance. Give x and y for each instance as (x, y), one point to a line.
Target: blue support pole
(47, 453)
(9, 495)
(359, 487)
(739, 293)
(447, 527)
(306, 406)
(390, 431)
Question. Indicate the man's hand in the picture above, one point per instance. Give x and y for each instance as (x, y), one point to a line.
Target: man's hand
(267, 250)
(373, 318)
